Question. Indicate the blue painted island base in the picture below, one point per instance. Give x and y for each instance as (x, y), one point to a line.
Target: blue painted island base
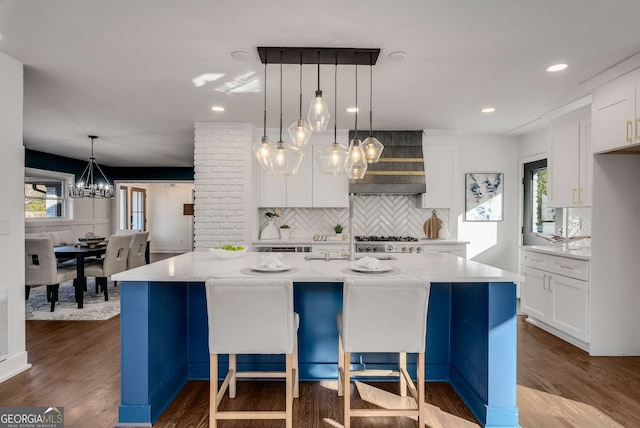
(471, 343)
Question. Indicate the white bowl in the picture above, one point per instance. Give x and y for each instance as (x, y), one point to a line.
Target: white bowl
(227, 254)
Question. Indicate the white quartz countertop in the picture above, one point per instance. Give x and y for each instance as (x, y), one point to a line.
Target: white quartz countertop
(578, 253)
(332, 240)
(202, 265)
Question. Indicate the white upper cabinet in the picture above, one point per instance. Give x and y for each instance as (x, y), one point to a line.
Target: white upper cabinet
(308, 188)
(570, 161)
(438, 165)
(616, 114)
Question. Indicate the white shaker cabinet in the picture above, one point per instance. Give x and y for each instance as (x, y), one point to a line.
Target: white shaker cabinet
(555, 295)
(438, 167)
(309, 188)
(571, 161)
(281, 192)
(616, 114)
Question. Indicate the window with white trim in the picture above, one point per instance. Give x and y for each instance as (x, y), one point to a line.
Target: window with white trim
(45, 195)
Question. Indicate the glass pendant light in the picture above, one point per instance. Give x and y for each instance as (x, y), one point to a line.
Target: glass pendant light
(300, 130)
(371, 146)
(331, 159)
(356, 163)
(318, 111)
(265, 147)
(285, 160)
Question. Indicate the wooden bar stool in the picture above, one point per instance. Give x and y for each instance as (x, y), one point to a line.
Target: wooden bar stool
(251, 316)
(383, 315)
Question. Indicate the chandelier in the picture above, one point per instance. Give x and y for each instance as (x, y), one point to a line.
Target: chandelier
(92, 185)
(333, 160)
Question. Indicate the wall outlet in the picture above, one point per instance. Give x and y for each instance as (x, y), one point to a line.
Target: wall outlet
(575, 223)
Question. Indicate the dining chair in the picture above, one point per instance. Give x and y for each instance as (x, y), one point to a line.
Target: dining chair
(251, 316)
(383, 315)
(114, 261)
(41, 268)
(137, 250)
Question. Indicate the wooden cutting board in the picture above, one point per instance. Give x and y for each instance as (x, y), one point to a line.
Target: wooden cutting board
(432, 226)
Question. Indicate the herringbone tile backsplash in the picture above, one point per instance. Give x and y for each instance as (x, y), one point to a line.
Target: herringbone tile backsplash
(373, 215)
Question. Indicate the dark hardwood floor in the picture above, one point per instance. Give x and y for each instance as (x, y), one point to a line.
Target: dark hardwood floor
(76, 364)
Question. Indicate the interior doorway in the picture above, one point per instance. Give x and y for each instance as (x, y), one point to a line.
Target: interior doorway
(157, 207)
(132, 204)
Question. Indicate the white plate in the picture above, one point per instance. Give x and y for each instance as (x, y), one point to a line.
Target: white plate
(367, 270)
(275, 269)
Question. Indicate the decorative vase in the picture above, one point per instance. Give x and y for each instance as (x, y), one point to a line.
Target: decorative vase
(285, 234)
(270, 231)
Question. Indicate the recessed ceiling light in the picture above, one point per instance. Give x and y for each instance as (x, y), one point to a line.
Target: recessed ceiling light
(353, 109)
(397, 56)
(217, 108)
(488, 110)
(239, 55)
(556, 67)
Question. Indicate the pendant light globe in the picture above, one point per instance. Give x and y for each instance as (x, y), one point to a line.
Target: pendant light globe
(331, 159)
(372, 149)
(356, 162)
(300, 130)
(284, 160)
(264, 148)
(371, 145)
(318, 115)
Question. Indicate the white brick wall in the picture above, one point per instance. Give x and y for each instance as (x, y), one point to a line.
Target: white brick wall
(224, 199)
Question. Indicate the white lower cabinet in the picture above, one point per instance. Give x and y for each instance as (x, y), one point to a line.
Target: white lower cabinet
(556, 294)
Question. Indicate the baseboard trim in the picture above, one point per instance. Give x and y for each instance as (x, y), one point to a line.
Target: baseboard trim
(562, 335)
(13, 366)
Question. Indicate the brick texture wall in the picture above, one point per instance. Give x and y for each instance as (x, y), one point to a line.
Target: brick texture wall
(223, 211)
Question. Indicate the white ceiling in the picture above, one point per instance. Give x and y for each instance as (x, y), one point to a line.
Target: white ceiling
(122, 69)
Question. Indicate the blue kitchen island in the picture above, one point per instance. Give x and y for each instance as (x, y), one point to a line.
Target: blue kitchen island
(471, 329)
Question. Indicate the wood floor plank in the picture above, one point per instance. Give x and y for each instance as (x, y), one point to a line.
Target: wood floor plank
(76, 364)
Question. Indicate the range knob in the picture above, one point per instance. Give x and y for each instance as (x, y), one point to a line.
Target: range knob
(368, 248)
(419, 249)
(404, 249)
(388, 248)
(411, 249)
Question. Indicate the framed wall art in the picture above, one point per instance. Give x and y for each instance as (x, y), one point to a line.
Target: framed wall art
(483, 196)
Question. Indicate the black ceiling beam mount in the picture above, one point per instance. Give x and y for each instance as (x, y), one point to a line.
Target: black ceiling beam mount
(293, 55)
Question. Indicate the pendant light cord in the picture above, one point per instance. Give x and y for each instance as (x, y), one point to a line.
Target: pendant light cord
(318, 70)
(300, 85)
(371, 98)
(335, 104)
(356, 133)
(265, 98)
(280, 97)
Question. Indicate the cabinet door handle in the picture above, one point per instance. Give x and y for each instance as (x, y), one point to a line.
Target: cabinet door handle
(581, 196)
(637, 130)
(549, 284)
(629, 126)
(566, 267)
(544, 281)
(574, 197)
(533, 260)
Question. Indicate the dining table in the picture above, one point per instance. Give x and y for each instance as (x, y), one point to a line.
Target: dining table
(80, 252)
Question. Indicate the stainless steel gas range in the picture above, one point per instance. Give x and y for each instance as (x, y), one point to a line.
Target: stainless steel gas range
(388, 244)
